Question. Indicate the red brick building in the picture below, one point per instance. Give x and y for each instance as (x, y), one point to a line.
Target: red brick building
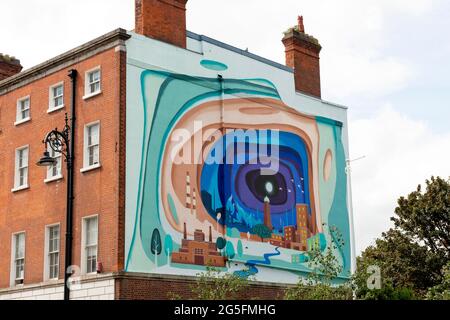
(33, 199)
(31, 207)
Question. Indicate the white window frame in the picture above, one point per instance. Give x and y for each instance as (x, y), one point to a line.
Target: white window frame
(87, 84)
(58, 165)
(19, 119)
(17, 169)
(47, 252)
(84, 246)
(86, 146)
(13, 276)
(52, 97)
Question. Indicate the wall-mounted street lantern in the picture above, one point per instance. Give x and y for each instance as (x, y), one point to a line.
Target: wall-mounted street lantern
(46, 160)
(58, 141)
(63, 142)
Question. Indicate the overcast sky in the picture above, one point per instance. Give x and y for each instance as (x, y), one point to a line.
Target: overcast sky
(387, 60)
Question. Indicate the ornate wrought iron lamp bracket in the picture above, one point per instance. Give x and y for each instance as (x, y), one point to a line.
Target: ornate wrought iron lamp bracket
(58, 141)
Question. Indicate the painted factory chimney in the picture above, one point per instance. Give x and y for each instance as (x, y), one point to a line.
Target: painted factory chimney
(302, 54)
(9, 66)
(163, 20)
(267, 216)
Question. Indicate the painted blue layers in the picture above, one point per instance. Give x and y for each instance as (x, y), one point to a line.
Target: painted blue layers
(221, 182)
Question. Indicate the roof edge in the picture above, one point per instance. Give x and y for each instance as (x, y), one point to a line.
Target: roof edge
(117, 34)
(226, 46)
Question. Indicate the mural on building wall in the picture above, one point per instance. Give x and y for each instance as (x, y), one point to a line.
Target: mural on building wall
(231, 177)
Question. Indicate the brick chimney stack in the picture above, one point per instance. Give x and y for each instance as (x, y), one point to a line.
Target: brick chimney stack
(303, 55)
(301, 26)
(9, 66)
(163, 20)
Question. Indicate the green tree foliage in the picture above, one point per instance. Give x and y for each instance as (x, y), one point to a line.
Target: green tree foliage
(325, 269)
(411, 256)
(403, 264)
(324, 266)
(425, 216)
(216, 285)
(318, 291)
(442, 290)
(388, 292)
(262, 231)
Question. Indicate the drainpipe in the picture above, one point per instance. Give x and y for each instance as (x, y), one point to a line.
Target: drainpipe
(70, 197)
(223, 131)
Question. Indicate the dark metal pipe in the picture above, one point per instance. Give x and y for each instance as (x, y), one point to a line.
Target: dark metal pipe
(70, 184)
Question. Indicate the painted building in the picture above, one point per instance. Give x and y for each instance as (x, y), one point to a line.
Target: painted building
(198, 251)
(177, 135)
(317, 242)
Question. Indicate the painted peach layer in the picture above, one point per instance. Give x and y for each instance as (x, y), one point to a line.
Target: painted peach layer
(217, 116)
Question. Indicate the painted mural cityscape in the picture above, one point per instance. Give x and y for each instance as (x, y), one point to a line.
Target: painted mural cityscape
(231, 177)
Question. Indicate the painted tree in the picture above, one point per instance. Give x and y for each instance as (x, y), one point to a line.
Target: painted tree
(262, 231)
(168, 246)
(156, 245)
(221, 243)
(240, 249)
(230, 212)
(229, 250)
(249, 218)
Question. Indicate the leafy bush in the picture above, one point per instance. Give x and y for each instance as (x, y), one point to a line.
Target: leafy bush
(442, 290)
(319, 291)
(390, 293)
(217, 285)
(319, 284)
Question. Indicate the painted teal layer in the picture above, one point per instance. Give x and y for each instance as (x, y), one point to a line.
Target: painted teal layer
(177, 90)
(187, 92)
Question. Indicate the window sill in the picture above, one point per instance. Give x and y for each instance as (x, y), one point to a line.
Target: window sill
(51, 109)
(19, 285)
(95, 166)
(22, 121)
(90, 95)
(20, 188)
(52, 179)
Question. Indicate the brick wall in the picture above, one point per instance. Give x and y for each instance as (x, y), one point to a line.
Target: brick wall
(303, 54)
(307, 70)
(161, 287)
(164, 20)
(96, 192)
(131, 286)
(122, 101)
